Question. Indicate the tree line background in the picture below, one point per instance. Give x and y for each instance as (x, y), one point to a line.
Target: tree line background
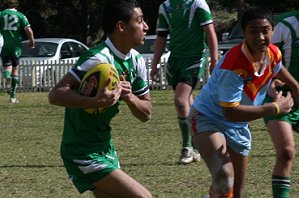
(81, 19)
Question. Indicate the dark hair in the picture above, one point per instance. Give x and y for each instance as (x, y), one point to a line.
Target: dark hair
(256, 12)
(11, 3)
(117, 10)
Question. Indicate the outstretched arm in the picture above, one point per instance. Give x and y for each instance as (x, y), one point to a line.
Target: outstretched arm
(246, 113)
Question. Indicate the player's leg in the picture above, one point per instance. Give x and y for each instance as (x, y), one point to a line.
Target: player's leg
(185, 79)
(212, 148)
(7, 70)
(182, 93)
(119, 184)
(282, 137)
(14, 79)
(14, 84)
(181, 99)
(240, 170)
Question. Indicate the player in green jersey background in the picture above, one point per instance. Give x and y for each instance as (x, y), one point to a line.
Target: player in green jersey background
(1, 42)
(12, 25)
(190, 25)
(87, 149)
(286, 37)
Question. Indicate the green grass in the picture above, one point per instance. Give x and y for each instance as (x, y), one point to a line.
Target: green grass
(30, 165)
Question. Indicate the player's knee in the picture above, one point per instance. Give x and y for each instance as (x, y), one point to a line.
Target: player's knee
(287, 153)
(180, 102)
(224, 180)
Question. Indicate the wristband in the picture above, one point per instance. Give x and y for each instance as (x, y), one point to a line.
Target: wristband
(277, 109)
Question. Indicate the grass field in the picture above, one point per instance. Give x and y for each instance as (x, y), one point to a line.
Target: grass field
(30, 165)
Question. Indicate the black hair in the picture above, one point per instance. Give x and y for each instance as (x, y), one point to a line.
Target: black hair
(117, 10)
(11, 3)
(256, 12)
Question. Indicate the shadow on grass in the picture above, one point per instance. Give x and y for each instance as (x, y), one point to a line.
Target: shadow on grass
(169, 164)
(30, 166)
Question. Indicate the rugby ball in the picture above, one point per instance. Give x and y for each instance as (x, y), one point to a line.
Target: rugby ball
(94, 80)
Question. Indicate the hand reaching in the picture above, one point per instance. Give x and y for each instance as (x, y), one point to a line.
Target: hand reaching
(272, 91)
(284, 103)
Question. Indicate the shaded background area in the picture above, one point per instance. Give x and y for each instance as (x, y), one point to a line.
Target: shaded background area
(80, 19)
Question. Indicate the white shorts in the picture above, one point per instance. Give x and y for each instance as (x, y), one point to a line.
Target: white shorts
(238, 139)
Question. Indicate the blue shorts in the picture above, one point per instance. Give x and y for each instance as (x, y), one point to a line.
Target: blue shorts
(237, 138)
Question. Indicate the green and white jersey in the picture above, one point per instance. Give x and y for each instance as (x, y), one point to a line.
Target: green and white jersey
(12, 26)
(286, 37)
(85, 132)
(1, 42)
(184, 19)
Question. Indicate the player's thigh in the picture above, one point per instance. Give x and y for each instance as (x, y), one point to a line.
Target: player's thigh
(212, 147)
(119, 184)
(281, 133)
(183, 91)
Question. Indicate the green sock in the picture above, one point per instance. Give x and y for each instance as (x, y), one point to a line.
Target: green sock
(185, 132)
(280, 186)
(14, 85)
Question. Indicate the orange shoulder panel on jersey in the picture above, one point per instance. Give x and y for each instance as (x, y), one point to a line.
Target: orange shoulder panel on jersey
(275, 54)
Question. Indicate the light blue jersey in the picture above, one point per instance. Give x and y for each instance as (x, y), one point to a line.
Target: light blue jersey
(234, 81)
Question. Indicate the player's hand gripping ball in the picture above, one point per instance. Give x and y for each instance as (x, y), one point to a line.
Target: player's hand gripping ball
(94, 80)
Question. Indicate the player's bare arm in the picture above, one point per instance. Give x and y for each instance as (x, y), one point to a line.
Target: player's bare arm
(212, 44)
(160, 44)
(243, 113)
(140, 106)
(30, 35)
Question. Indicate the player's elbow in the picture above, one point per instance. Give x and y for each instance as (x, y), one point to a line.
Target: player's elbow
(145, 118)
(51, 98)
